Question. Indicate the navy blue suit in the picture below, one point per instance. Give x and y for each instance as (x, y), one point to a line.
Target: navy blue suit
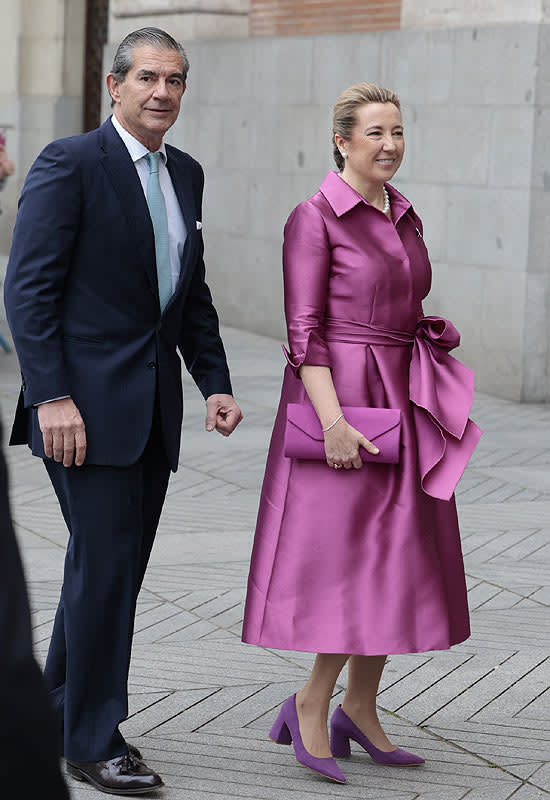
(82, 303)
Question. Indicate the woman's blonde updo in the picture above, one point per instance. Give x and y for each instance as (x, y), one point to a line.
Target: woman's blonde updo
(344, 116)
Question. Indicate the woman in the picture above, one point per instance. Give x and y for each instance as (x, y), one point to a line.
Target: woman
(7, 166)
(353, 561)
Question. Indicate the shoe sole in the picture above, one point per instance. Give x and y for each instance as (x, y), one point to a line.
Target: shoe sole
(316, 771)
(387, 763)
(83, 777)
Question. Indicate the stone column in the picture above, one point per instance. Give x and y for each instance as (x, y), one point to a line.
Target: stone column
(41, 57)
(536, 334)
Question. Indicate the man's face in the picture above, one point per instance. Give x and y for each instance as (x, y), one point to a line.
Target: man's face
(147, 102)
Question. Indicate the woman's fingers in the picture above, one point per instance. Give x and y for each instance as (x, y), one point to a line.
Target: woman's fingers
(369, 446)
(342, 448)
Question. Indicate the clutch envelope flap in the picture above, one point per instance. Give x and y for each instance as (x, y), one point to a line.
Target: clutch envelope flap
(371, 422)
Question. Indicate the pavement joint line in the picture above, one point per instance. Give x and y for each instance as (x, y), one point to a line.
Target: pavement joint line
(538, 602)
(486, 761)
(182, 608)
(176, 691)
(408, 674)
(166, 601)
(503, 589)
(463, 691)
(40, 535)
(230, 708)
(504, 481)
(213, 477)
(483, 544)
(514, 544)
(503, 521)
(534, 699)
(216, 691)
(225, 610)
(509, 686)
(436, 681)
(533, 785)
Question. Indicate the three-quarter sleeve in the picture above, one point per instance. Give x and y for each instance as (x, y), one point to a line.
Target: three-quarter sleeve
(306, 263)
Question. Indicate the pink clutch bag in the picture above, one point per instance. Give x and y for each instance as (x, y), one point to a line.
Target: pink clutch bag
(304, 437)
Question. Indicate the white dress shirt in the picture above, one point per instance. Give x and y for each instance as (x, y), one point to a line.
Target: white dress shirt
(177, 231)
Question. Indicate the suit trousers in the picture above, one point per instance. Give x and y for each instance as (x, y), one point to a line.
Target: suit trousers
(112, 514)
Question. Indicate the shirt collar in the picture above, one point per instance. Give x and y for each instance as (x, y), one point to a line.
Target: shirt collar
(136, 149)
(342, 197)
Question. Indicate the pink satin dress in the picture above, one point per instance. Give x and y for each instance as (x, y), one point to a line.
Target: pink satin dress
(364, 562)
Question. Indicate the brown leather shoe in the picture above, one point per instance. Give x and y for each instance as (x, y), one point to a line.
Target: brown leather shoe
(121, 775)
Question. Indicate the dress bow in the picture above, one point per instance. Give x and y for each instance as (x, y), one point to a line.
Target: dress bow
(442, 391)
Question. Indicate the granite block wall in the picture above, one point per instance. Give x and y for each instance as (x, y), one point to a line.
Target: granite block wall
(477, 116)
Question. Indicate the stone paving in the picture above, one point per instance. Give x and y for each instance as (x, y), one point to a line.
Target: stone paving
(201, 703)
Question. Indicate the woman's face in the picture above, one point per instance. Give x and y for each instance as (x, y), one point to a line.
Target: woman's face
(375, 150)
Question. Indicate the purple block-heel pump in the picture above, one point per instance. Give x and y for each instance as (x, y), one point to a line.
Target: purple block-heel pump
(342, 729)
(286, 730)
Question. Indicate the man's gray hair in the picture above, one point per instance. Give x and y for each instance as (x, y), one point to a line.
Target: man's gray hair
(155, 37)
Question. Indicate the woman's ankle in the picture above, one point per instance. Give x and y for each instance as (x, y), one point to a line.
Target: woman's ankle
(312, 703)
(361, 713)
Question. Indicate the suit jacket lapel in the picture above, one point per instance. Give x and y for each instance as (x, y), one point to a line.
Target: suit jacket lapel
(124, 178)
(184, 192)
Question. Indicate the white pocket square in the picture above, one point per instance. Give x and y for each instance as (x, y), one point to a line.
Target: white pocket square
(199, 225)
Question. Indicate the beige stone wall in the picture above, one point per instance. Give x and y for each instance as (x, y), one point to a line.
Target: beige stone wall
(42, 64)
(477, 118)
(459, 13)
(184, 19)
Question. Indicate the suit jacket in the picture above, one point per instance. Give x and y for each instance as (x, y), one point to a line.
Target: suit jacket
(28, 757)
(82, 299)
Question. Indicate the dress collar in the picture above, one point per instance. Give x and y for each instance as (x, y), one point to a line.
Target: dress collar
(342, 197)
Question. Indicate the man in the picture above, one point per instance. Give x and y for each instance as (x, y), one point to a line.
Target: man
(105, 280)
(27, 735)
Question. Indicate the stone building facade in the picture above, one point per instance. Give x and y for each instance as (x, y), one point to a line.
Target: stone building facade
(474, 77)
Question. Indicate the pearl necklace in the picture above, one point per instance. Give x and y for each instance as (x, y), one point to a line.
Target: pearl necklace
(386, 209)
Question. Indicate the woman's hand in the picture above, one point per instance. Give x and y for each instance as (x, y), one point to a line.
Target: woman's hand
(342, 443)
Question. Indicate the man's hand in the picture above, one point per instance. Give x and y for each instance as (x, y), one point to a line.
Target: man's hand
(222, 413)
(63, 431)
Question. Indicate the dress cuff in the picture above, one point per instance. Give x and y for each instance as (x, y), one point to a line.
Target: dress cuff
(314, 354)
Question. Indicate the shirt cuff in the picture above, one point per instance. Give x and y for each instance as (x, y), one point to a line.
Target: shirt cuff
(43, 402)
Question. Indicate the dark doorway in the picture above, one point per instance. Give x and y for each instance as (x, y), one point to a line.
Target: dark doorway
(97, 23)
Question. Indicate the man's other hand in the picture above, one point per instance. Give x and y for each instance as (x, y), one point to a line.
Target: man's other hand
(222, 413)
(63, 431)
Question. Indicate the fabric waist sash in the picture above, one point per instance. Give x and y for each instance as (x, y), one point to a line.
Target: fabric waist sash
(343, 330)
(441, 390)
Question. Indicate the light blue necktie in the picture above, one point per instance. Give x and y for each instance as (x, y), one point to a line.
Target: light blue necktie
(157, 210)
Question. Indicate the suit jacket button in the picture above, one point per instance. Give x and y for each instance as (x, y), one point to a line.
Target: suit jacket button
(152, 364)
